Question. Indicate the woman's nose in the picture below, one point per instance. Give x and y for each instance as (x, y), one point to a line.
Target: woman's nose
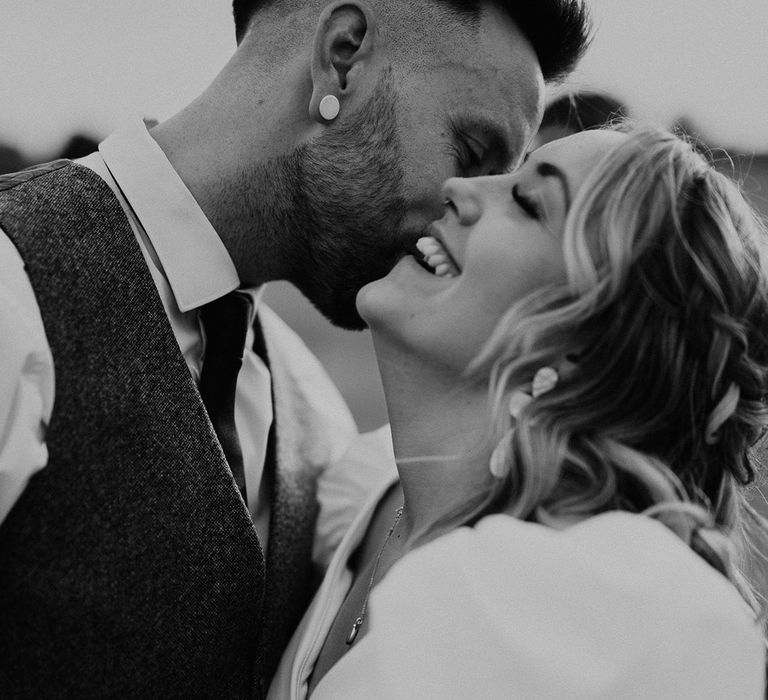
(464, 195)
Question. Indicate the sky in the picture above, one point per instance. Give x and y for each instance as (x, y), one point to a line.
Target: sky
(87, 65)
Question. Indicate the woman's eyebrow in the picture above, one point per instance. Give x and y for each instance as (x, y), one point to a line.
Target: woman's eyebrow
(551, 170)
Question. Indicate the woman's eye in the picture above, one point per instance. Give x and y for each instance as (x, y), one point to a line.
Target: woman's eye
(528, 205)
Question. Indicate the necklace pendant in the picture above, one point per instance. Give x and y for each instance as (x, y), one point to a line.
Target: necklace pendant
(353, 632)
(359, 621)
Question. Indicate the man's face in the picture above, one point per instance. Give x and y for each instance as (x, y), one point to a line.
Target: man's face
(365, 191)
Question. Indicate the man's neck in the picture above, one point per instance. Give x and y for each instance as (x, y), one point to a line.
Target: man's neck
(222, 146)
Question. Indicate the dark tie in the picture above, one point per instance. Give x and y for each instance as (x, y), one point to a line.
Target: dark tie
(226, 323)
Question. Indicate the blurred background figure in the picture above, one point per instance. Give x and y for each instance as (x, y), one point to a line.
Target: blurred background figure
(578, 111)
(11, 159)
(79, 146)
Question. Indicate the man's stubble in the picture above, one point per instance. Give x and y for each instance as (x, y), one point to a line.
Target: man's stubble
(336, 206)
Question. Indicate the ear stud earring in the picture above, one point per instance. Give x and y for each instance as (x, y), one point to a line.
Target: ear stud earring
(329, 107)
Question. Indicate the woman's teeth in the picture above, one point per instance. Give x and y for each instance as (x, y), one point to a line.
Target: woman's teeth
(436, 257)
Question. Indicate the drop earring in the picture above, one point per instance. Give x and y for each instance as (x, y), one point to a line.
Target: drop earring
(329, 108)
(544, 380)
(501, 457)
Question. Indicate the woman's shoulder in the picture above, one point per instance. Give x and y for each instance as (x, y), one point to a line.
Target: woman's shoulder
(613, 539)
(630, 556)
(613, 603)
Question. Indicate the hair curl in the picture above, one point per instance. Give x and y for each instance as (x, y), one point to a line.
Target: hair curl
(664, 325)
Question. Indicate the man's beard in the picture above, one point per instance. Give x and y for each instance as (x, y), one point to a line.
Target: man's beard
(338, 208)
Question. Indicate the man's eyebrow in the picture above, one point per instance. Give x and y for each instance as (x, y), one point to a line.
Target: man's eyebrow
(551, 170)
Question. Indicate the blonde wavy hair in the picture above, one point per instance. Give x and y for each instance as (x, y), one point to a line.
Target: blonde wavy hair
(661, 336)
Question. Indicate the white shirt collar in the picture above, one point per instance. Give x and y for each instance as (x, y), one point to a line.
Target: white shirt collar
(195, 261)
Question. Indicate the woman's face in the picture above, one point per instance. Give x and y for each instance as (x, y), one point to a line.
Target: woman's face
(503, 237)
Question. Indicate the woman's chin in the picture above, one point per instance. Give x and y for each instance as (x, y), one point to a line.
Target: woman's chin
(368, 301)
(407, 290)
(384, 294)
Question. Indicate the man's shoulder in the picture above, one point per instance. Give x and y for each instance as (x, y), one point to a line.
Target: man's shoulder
(60, 195)
(61, 184)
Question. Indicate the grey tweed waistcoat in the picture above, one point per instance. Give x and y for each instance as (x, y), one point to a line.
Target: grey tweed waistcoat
(129, 568)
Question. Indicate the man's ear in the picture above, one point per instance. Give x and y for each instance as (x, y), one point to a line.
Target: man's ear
(344, 40)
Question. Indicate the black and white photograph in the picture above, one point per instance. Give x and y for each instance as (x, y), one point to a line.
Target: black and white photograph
(384, 350)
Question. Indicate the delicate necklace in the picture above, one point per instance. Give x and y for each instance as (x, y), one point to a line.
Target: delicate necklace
(359, 620)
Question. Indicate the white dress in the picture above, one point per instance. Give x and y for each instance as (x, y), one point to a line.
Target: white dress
(614, 607)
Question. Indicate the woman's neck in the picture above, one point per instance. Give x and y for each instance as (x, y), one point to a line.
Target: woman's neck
(439, 427)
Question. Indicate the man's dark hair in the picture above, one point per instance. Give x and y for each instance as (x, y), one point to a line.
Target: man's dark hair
(557, 29)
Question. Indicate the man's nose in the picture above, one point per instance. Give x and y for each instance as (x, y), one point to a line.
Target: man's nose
(464, 195)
